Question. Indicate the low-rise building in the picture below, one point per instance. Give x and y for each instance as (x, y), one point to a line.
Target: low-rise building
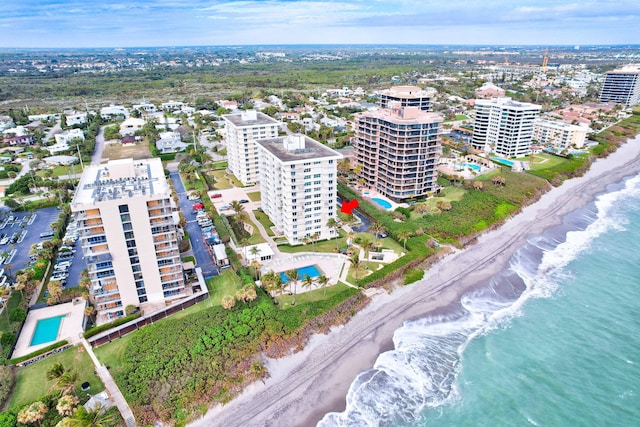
(559, 135)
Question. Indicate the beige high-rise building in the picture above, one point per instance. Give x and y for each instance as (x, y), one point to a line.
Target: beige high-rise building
(298, 186)
(128, 236)
(242, 130)
(407, 96)
(399, 149)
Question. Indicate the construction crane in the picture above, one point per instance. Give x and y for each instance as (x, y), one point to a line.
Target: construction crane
(545, 58)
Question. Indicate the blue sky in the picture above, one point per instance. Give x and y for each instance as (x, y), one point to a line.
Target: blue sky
(118, 23)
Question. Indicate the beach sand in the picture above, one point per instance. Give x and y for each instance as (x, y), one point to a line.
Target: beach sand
(305, 386)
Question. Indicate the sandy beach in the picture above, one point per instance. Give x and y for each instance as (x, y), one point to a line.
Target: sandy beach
(305, 386)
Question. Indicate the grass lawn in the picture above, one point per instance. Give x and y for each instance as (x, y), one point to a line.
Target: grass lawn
(545, 161)
(322, 246)
(32, 384)
(61, 170)
(366, 269)
(284, 301)
(254, 197)
(112, 354)
(117, 151)
(189, 258)
(227, 283)
(224, 180)
(265, 221)
(219, 165)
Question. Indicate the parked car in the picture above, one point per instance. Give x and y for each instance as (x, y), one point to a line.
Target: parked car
(197, 206)
(193, 196)
(216, 196)
(224, 208)
(243, 201)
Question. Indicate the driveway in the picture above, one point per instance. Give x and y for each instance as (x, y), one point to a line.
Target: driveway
(200, 249)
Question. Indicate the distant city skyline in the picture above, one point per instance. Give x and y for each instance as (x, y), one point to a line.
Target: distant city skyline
(117, 23)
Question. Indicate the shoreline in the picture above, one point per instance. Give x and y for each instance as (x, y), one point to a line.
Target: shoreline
(305, 386)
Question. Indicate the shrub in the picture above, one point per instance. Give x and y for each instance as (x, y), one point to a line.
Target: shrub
(7, 380)
(38, 352)
(412, 275)
(18, 314)
(121, 321)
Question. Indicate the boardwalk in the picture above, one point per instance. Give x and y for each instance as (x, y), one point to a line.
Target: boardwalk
(111, 387)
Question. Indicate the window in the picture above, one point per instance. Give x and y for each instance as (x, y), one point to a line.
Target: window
(123, 208)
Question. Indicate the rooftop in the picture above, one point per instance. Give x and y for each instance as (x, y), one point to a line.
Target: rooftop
(121, 179)
(405, 115)
(250, 118)
(297, 147)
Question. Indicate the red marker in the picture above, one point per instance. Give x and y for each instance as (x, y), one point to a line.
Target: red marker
(348, 206)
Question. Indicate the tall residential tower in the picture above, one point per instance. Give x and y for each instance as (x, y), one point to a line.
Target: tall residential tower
(407, 96)
(622, 86)
(242, 130)
(128, 236)
(398, 149)
(504, 126)
(298, 186)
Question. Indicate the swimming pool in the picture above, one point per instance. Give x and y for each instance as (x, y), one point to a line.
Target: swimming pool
(46, 330)
(309, 270)
(382, 203)
(503, 161)
(472, 166)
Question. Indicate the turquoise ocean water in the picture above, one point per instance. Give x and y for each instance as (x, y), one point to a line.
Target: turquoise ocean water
(554, 340)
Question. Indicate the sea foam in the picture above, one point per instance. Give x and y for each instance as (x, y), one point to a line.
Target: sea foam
(421, 370)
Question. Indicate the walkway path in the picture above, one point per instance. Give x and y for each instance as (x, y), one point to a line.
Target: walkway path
(111, 386)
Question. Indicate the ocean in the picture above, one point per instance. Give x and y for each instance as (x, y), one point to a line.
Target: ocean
(552, 340)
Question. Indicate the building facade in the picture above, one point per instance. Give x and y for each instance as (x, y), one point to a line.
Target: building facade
(399, 149)
(622, 86)
(559, 135)
(242, 130)
(298, 186)
(504, 126)
(407, 96)
(128, 236)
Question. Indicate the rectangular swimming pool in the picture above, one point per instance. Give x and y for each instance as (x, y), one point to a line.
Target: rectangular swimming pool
(503, 161)
(309, 270)
(46, 330)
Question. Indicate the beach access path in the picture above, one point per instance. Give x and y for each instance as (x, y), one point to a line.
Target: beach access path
(306, 385)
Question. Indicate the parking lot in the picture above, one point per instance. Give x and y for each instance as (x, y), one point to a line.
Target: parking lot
(199, 247)
(28, 227)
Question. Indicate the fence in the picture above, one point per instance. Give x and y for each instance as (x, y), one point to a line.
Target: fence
(136, 324)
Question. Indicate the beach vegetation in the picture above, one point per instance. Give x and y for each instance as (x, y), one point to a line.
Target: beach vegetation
(412, 275)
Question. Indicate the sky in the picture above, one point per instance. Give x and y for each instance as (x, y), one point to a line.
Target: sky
(118, 23)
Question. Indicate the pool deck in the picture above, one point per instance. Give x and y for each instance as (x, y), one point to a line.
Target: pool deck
(70, 327)
(330, 264)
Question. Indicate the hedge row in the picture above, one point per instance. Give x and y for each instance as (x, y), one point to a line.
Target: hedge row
(37, 353)
(119, 321)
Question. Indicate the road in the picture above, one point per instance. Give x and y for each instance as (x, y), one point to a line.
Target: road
(199, 248)
(99, 148)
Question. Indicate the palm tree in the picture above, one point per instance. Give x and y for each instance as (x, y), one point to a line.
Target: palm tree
(66, 404)
(367, 246)
(333, 224)
(377, 228)
(307, 282)
(322, 281)
(236, 206)
(293, 276)
(356, 264)
(404, 236)
(97, 417)
(55, 371)
(314, 239)
(228, 302)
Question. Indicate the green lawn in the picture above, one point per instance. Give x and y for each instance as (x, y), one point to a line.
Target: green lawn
(32, 384)
(5, 324)
(365, 270)
(224, 180)
(545, 161)
(323, 246)
(265, 221)
(112, 354)
(196, 184)
(61, 170)
(227, 283)
(255, 196)
(256, 237)
(284, 301)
